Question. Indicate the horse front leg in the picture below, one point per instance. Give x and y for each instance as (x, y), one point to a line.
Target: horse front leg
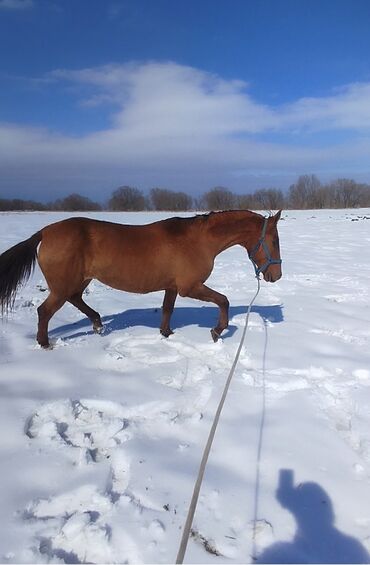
(167, 309)
(203, 292)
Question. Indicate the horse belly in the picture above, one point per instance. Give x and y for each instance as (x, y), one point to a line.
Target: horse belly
(135, 278)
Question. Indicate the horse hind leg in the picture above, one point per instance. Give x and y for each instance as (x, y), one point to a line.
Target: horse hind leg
(167, 309)
(203, 292)
(80, 304)
(45, 312)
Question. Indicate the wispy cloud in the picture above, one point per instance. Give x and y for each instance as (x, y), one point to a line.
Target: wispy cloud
(176, 122)
(16, 4)
(347, 108)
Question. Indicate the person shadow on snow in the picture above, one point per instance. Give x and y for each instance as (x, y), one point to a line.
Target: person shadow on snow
(317, 540)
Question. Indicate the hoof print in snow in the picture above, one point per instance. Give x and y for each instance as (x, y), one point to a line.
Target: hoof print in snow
(157, 530)
(74, 525)
(262, 533)
(93, 428)
(80, 540)
(46, 548)
(209, 545)
(119, 477)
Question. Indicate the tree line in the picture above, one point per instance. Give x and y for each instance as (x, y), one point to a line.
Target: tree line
(307, 193)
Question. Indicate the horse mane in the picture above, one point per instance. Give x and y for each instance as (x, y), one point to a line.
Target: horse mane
(219, 220)
(237, 214)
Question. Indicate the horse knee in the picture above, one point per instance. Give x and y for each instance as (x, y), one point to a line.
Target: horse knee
(44, 312)
(41, 312)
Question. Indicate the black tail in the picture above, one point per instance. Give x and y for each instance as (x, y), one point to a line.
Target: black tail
(16, 266)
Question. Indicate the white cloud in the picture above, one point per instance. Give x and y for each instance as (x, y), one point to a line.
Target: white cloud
(348, 108)
(153, 90)
(171, 99)
(16, 4)
(176, 122)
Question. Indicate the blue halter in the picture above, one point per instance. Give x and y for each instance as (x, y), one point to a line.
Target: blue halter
(269, 260)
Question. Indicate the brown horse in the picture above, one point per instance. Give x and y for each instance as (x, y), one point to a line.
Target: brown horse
(175, 255)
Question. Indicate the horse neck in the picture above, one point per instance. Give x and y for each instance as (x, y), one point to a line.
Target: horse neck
(233, 228)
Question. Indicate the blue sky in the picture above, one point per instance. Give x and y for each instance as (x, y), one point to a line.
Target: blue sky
(181, 94)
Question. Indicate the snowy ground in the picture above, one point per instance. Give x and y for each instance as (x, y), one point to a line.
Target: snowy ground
(101, 438)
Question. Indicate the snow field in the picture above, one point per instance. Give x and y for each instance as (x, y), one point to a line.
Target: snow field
(102, 436)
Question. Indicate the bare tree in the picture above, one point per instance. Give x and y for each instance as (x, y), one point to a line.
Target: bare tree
(19, 204)
(219, 198)
(244, 201)
(164, 199)
(127, 198)
(322, 197)
(302, 193)
(268, 199)
(347, 193)
(307, 192)
(365, 195)
(75, 203)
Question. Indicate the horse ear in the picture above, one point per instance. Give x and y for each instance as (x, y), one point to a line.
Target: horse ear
(277, 216)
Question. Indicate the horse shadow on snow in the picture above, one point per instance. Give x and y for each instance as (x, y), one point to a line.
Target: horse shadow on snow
(201, 316)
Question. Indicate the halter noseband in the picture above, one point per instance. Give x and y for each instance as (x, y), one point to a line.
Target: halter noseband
(269, 260)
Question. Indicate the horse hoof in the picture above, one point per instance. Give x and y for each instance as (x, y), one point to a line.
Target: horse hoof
(98, 329)
(215, 335)
(166, 333)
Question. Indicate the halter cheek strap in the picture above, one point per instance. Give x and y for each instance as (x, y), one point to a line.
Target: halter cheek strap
(269, 260)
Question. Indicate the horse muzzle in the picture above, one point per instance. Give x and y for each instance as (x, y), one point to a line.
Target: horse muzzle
(272, 276)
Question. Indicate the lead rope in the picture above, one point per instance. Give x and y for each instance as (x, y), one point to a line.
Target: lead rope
(207, 449)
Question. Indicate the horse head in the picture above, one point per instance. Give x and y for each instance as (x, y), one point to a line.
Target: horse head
(265, 253)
